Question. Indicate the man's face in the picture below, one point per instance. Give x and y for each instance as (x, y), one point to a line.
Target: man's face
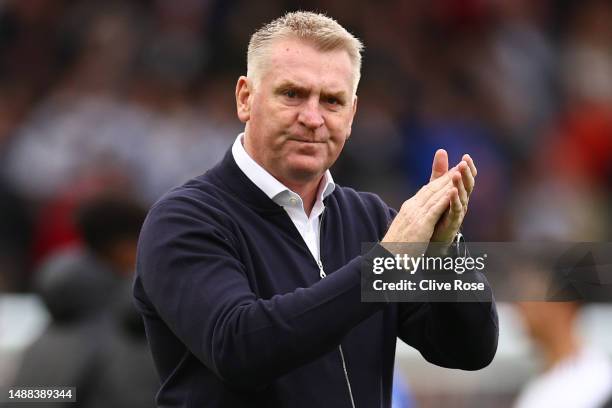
(300, 113)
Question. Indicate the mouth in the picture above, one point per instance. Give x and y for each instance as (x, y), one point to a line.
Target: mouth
(306, 141)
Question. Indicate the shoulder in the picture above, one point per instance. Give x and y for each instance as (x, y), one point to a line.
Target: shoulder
(196, 204)
(200, 195)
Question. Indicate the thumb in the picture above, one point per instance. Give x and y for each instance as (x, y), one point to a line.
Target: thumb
(440, 164)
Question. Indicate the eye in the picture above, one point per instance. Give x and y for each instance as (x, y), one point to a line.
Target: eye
(290, 93)
(333, 101)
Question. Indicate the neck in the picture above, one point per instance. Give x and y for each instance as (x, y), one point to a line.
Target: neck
(307, 191)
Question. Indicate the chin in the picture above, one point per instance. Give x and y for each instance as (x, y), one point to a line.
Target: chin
(304, 172)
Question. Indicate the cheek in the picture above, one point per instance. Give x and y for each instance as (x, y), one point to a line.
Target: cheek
(339, 141)
(274, 118)
(258, 112)
(340, 124)
(339, 130)
(335, 148)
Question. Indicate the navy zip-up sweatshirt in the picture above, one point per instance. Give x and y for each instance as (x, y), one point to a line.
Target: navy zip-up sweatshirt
(237, 315)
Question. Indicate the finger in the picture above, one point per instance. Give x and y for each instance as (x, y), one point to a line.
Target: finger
(455, 214)
(468, 179)
(440, 164)
(456, 210)
(458, 183)
(468, 159)
(452, 217)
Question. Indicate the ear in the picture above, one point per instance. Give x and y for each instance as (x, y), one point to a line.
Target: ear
(243, 99)
(354, 110)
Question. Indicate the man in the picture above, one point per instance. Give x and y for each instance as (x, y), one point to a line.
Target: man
(249, 276)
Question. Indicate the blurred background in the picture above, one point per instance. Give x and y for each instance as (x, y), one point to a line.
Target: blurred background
(106, 105)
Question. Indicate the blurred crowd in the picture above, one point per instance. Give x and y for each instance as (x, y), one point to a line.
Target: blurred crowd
(120, 100)
(137, 96)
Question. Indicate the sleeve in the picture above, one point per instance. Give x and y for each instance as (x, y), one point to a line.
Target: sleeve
(454, 335)
(191, 273)
(460, 335)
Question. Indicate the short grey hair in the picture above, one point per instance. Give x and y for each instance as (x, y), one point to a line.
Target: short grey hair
(323, 32)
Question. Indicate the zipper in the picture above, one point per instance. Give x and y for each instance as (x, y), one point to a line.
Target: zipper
(322, 274)
(348, 383)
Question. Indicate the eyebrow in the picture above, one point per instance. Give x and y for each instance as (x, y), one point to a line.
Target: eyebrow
(340, 95)
(290, 85)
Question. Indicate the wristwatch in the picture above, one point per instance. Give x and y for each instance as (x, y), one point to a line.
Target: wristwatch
(458, 246)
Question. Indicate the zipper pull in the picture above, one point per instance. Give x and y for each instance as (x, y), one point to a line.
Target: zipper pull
(322, 273)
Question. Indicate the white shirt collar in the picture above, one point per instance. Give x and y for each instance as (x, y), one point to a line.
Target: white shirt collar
(274, 189)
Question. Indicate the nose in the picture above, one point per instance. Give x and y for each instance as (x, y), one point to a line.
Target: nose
(310, 114)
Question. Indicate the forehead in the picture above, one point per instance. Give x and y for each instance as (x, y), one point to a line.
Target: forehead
(299, 62)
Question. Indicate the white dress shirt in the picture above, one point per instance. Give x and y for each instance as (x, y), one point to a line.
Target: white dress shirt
(307, 226)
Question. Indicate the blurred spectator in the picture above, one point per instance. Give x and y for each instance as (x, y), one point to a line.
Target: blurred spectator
(76, 290)
(574, 375)
(133, 88)
(55, 226)
(550, 208)
(127, 377)
(109, 227)
(96, 339)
